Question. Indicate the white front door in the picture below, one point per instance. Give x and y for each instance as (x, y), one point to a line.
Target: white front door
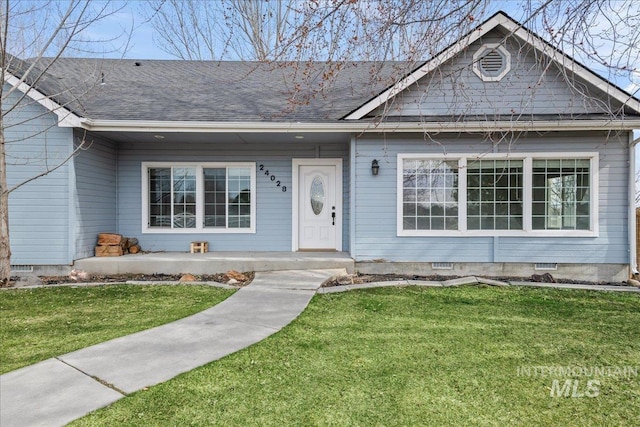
(319, 205)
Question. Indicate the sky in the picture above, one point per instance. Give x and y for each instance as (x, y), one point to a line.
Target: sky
(142, 46)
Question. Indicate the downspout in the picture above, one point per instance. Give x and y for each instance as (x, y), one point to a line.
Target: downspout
(633, 250)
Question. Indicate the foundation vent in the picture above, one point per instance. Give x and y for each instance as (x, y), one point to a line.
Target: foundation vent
(22, 268)
(442, 265)
(549, 266)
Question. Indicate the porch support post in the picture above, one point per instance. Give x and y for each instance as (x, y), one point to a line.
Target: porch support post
(633, 249)
(352, 197)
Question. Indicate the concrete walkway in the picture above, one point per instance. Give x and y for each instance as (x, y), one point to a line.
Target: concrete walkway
(62, 389)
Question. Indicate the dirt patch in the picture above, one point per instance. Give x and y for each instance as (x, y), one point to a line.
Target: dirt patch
(371, 278)
(122, 278)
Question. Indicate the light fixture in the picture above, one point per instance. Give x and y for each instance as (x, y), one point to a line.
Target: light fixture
(375, 167)
(299, 137)
(158, 136)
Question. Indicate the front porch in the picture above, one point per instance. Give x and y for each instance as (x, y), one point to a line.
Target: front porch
(214, 262)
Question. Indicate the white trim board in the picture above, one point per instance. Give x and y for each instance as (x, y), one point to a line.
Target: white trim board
(358, 127)
(65, 117)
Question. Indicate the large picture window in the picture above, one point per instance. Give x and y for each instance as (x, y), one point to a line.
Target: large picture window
(212, 197)
(525, 194)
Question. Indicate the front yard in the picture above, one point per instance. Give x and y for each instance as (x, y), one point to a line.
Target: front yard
(409, 356)
(36, 324)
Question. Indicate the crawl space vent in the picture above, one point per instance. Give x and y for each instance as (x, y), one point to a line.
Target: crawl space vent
(546, 266)
(22, 268)
(442, 265)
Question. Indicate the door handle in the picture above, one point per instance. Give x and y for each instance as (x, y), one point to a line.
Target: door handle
(333, 215)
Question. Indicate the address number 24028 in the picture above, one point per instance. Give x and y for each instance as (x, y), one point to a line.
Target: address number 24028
(273, 179)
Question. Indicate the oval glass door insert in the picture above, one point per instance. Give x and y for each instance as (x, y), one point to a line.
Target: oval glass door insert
(317, 195)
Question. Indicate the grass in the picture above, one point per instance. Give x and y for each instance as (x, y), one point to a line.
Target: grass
(36, 324)
(412, 356)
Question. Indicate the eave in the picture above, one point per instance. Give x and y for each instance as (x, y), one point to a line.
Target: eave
(359, 127)
(66, 118)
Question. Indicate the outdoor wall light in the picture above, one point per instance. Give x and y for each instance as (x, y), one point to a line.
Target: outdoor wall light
(375, 167)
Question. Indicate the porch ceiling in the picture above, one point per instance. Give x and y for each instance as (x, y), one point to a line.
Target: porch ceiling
(226, 138)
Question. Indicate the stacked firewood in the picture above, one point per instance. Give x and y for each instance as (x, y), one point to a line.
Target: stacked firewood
(110, 244)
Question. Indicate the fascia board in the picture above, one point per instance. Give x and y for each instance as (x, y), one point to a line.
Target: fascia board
(65, 117)
(401, 127)
(573, 66)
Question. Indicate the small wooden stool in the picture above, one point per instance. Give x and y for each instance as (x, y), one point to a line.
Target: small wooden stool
(201, 247)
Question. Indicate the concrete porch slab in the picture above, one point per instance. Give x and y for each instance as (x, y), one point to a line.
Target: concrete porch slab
(215, 262)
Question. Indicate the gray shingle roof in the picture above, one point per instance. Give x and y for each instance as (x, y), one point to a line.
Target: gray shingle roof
(212, 90)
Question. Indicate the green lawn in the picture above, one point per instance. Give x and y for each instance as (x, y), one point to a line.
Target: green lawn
(411, 356)
(36, 324)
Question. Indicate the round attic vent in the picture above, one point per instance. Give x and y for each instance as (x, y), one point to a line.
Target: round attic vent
(491, 62)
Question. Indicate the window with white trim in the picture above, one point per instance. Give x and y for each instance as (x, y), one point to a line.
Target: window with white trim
(497, 194)
(430, 200)
(494, 194)
(561, 194)
(208, 197)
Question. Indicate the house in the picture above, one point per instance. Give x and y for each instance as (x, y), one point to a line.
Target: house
(500, 155)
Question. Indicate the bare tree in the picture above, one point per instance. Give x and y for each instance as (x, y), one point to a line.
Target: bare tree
(33, 36)
(603, 34)
(224, 29)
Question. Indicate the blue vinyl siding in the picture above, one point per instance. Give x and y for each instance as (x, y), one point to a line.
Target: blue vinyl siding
(273, 211)
(38, 211)
(376, 233)
(532, 87)
(95, 201)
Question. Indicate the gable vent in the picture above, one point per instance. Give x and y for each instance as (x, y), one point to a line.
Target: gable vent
(491, 62)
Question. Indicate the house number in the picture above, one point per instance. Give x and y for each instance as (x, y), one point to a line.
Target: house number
(273, 179)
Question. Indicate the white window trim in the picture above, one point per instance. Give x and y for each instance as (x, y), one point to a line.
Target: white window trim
(527, 230)
(199, 229)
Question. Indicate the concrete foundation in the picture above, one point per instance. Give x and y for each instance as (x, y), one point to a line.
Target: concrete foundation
(582, 272)
(42, 270)
(221, 262)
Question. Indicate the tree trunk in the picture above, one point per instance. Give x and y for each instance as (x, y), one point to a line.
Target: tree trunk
(5, 248)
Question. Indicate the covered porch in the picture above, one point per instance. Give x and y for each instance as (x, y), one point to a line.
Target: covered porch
(214, 262)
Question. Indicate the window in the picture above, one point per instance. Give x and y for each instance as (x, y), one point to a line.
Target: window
(497, 194)
(211, 197)
(430, 189)
(494, 195)
(561, 194)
